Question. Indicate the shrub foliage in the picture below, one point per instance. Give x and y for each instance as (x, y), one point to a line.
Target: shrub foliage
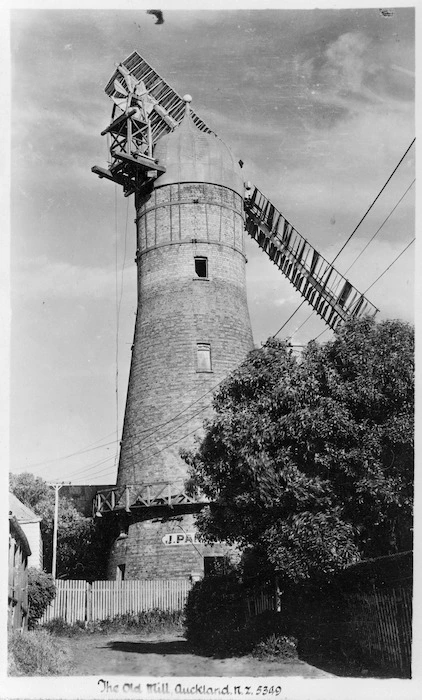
(34, 654)
(216, 622)
(81, 543)
(41, 591)
(145, 622)
(310, 462)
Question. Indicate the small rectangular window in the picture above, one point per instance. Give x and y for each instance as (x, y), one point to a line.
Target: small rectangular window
(120, 572)
(201, 267)
(203, 352)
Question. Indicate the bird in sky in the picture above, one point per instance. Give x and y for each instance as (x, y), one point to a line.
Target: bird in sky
(158, 14)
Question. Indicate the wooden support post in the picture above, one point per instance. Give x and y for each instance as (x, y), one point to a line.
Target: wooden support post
(277, 594)
(56, 488)
(88, 610)
(129, 136)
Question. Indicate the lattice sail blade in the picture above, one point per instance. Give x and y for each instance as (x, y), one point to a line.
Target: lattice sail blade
(120, 88)
(169, 105)
(330, 294)
(120, 102)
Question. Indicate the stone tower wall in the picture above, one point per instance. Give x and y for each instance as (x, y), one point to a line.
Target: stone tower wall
(177, 310)
(145, 555)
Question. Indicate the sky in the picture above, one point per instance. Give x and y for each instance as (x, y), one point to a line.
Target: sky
(319, 104)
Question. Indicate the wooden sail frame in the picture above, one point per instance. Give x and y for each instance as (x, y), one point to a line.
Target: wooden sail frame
(132, 137)
(330, 294)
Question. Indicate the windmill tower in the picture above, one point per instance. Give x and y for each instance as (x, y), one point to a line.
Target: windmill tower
(192, 326)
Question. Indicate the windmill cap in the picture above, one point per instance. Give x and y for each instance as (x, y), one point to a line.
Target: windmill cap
(192, 155)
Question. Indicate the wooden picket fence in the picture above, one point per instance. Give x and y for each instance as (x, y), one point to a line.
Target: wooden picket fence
(260, 601)
(101, 600)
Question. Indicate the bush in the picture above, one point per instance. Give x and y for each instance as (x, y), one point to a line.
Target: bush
(41, 591)
(34, 654)
(145, 622)
(216, 621)
(59, 628)
(214, 614)
(276, 646)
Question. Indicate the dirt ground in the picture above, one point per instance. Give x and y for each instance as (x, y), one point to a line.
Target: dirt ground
(169, 655)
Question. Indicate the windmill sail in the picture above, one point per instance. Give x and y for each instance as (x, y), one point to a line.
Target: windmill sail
(330, 294)
(145, 108)
(148, 109)
(169, 106)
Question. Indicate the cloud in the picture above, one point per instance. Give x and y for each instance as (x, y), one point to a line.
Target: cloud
(344, 68)
(353, 74)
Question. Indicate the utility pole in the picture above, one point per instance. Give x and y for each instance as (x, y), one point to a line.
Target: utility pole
(56, 488)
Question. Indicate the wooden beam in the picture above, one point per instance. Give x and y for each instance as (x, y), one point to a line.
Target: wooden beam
(101, 172)
(145, 161)
(118, 121)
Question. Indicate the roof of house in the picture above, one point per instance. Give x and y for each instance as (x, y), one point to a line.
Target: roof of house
(19, 534)
(22, 513)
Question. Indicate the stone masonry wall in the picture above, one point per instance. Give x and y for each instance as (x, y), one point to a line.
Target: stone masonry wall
(176, 311)
(145, 555)
(168, 397)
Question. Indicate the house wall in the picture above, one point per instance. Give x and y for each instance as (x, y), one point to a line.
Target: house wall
(19, 552)
(33, 534)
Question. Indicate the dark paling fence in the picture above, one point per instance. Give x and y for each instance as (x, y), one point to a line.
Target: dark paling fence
(260, 601)
(381, 622)
(101, 600)
(364, 615)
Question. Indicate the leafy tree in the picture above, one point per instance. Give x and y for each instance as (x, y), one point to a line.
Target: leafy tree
(80, 543)
(310, 462)
(41, 591)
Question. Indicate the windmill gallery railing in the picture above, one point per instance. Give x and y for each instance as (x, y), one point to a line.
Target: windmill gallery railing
(331, 295)
(148, 495)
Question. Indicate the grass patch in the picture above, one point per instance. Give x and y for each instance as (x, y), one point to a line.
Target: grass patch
(34, 653)
(146, 622)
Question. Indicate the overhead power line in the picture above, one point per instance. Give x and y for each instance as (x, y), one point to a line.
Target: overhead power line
(188, 420)
(116, 349)
(118, 308)
(290, 317)
(361, 252)
(382, 225)
(72, 454)
(214, 387)
(151, 431)
(147, 431)
(165, 447)
(108, 470)
(376, 198)
(354, 231)
(88, 468)
(377, 279)
(391, 265)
